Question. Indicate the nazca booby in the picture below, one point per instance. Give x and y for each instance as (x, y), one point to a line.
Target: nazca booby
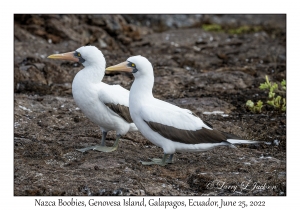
(167, 126)
(106, 105)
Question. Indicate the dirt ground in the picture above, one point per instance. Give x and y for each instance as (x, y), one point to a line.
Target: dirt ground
(205, 63)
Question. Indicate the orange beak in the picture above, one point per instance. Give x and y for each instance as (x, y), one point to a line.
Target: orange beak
(119, 67)
(69, 56)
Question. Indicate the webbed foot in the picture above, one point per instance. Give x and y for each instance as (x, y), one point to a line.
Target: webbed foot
(85, 149)
(105, 148)
(158, 161)
(102, 147)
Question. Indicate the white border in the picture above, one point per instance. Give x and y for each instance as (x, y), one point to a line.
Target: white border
(159, 7)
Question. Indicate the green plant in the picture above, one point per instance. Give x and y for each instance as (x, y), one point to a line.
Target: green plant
(254, 108)
(212, 27)
(243, 29)
(276, 101)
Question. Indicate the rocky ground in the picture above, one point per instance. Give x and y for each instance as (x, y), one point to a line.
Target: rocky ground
(210, 64)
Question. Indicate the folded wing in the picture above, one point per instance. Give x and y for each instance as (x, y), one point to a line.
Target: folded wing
(180, 125)
(116, 98)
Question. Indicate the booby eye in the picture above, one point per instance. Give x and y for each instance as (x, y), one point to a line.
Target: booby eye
(133, 66)
(78, 55)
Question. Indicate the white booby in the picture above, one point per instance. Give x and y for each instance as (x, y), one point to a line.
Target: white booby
(168, 126)
(105, 105)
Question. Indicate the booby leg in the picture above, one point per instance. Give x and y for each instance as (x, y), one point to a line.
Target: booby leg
(103, 138)
(167, 161)
(157, 161)
(103, 148)
(170, 159)
(92, 147)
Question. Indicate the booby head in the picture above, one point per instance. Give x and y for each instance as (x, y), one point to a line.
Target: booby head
(87, 55)
(138, 65)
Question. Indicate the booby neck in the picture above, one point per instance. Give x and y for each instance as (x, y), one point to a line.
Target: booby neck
(93, 61)
(142, 85)
(93, 73)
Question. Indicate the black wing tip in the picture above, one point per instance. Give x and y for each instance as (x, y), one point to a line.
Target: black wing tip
(121, 110)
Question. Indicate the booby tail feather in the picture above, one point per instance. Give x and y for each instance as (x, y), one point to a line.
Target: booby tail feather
(240, 141)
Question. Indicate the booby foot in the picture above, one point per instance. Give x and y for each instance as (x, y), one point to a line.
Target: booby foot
(98, 148)
(85, 149)
(105, 148)
(158, 161)
(102, 147)
(161, 163)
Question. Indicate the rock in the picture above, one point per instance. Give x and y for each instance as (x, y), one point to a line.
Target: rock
(93, 35)
(21, 34)
(223, 81)
(118, 27)
(29, 78)
(59, 28)
(161, 23)
(203, 104)
(199, 183)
